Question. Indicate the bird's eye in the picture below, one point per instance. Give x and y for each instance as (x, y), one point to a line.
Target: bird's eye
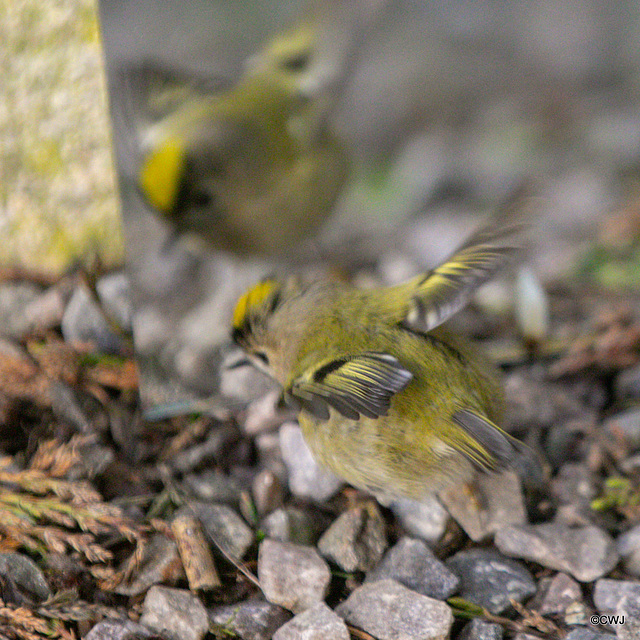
(201, 199)
(262, 356)
(298, 62)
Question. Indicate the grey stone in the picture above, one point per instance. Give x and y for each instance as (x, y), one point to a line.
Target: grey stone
(356, 540)
(174, 613)
(561, 592)
(270, 454)
(317, 623)
(565, 439)
(160, 562)
(205, 453)
(496, 502)
(66, 405)
(268, 493)
(491, 580)
(290, 524)
(614, 134)
(411, 563)
(608, 594)
(251, 620)
(630, 465)
(22, 572)
(224, 527)
(584, 633)
(291, 575)
(627, 383)
(389, 611)
(113, 629)
(573, 483)
(426, 519)
(480, 630)
(532, 401)
(629, 610)
(577, 614)
(84, 322)
(574, 487)
(587, 553)
(15, 298)
(214, 486)
(307, 479)
(47, 311)
(628, 545)
(115, 296)
(625, 424)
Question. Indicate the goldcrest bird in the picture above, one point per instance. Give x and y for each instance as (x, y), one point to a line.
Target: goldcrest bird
(388, 398)
(252, 169)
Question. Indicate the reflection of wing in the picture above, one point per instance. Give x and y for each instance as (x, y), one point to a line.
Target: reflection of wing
(445, 290)
(362, 384)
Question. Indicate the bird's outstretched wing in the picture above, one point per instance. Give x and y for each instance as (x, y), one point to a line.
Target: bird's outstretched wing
(442, 292)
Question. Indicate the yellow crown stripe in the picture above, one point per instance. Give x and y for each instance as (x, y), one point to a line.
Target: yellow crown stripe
(253, 298)
(161, 174)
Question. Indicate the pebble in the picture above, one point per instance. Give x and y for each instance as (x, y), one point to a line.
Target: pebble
(566, 440)
(490, 580)
(223, 526)
(629, 607)
(587, 553)
(628, 545)
(307, 479)
(215, 447)
(115, 629)
(292, 524)
(251, 620)
(630, 465)
(627, 384)
(584, 633)
(356, 540)
(115, 296)
(626, 425)
(291, 575)
(426, 519)
(389, 611)
(84, 322)
(317, 623)
(160, 563)
(530, 402)
(561, 592)
(47, 310)
(574, 484)
(15, 298)
(270, 455)
(175, 614)
(20, 571)
(480, 630)
(495, 502)
(577, 614)
(268, 492)
(411, 563)
(608, 594)
(214, 486)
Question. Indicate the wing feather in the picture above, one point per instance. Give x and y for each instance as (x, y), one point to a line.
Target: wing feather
(353, 386)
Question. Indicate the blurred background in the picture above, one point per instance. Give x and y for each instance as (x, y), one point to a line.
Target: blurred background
(393, 128)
